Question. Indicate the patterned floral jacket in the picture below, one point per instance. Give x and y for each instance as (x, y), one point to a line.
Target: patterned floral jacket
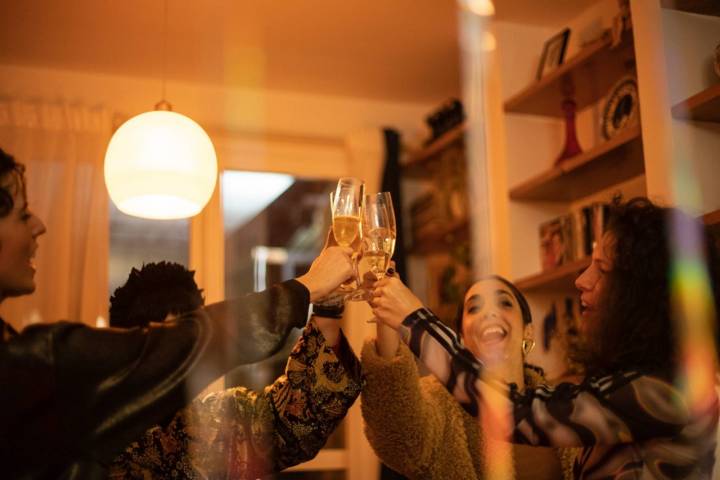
(238, 433)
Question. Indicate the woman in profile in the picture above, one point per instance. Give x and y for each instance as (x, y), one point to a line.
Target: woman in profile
(73, 397)
(632, 415)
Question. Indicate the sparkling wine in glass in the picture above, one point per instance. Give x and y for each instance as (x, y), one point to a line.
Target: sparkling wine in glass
(379, 234)
(347, 205)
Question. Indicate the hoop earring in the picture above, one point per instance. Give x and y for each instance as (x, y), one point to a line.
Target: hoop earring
(527, 346)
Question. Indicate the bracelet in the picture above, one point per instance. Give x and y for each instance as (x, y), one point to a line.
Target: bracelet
(329, 311)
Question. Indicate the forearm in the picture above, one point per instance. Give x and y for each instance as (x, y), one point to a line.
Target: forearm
(616, 402)
(139, 377)
(387, 341)
(330, 329)
(313, 396)
(442, 352)
(253, 327)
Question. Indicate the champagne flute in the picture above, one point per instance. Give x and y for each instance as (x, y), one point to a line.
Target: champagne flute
(346, 204)
(379, 235)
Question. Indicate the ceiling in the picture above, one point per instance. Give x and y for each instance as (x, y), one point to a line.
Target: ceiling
(400, 50)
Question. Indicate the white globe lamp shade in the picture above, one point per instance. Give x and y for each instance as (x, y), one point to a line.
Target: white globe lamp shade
(160, 165)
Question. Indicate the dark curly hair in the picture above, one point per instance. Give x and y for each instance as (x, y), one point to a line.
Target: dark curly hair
(9, 167)
(635, 326)
(153, 292)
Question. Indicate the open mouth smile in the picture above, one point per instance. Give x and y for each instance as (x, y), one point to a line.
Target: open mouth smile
(493, 333)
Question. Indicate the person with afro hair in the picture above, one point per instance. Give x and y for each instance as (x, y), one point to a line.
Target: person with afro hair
(236, 433)
(153, 293)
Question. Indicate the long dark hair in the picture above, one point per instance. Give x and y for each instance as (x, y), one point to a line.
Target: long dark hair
(634, 328)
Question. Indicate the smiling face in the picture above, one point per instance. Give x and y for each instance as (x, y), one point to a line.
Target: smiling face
(493, 327)
(592, 283)
(19, 230)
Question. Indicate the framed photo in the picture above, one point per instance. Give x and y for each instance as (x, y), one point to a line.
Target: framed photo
(553, 53)
(556, 242)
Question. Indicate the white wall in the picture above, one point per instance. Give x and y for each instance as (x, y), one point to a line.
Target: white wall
(690, 42)
(277, 131)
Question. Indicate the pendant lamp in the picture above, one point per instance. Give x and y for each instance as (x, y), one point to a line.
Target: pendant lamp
(160, 164)
(483, 8)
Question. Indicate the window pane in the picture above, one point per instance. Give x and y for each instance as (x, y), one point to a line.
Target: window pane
(275, 226)
(134, 241)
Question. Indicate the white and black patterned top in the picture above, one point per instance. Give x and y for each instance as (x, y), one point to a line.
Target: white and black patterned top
(631, 425)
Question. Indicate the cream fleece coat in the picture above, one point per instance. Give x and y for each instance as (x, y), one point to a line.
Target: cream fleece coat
(418, 429)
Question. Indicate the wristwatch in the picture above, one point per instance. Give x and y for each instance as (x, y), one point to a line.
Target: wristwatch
(330, 310)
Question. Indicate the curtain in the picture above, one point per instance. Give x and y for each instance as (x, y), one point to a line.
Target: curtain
(392, 174)
(62, 147)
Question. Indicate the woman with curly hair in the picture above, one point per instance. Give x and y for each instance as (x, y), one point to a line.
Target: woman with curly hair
(415, 425)
(631, 416)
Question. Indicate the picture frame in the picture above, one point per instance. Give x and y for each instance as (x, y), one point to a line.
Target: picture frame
(553, 53)
(556, 242)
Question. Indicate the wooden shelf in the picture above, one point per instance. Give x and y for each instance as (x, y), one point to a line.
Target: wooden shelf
(416, 166)
(712, 218)
(442, 238)
(591, 74)
(561, 277)
(702, 7)
(607, 164)
(703, 106)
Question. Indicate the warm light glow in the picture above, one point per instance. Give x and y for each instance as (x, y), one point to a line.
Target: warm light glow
(488, 42)
(484, 8)
(160, 165)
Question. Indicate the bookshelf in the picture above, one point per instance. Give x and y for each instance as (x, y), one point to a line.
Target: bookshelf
(712, 219)
(562, 277)
(607, 164)
(534, 139)
(590, 74)
(701, 7)
(418, 161)
(441, 239)
(703, 106)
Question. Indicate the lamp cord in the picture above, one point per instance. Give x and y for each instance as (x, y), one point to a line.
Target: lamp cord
(164, 54)
(163, 104)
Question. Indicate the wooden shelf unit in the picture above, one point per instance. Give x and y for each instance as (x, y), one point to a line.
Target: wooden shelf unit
(441, 239)
(607, 164)
(712, 219)
(416, 165)
(703, 106)
(562, 277)
(702, 7)
(589, 75)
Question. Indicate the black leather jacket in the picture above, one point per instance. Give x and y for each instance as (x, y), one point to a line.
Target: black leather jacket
(72, 397)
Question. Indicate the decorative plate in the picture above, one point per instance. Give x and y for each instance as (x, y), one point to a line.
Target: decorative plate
(622, 109)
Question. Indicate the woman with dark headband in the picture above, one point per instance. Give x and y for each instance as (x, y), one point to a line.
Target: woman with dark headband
(629, 416)
(417, 428)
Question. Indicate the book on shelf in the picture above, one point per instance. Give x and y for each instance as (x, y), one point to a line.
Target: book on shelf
(573, 236)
